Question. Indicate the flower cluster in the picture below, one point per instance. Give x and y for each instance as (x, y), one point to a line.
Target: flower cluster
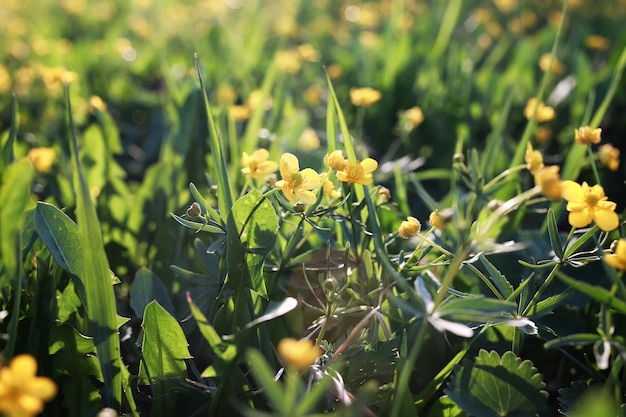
(22, 392)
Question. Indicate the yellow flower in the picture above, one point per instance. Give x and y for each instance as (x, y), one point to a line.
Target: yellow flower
(534, 159)
(22, 392)
(557, 66)
(239, 113)
(412, 117)
(309, 141)
(96, 103)
(543, 134)
(364, 96)
(358, 172)
(226, 94)
(256, 165)
(597, 42)
(288, 61)
(334, 71)
(42, 159)
(617, 259)
(336, 161)
(298, 354)
(409, 227)
(296, 184)
(587, 135)
(436, 220)
(329, 188)
(609, 156)
(543, 113)
(254, 100)
(549, 179)
(587, 204)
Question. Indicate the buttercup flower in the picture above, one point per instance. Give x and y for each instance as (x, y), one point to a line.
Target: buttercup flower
(298, 354)
(22, 392)
(256, 165)
(597, 42)
(413, 117)
(288, 61)
(329, 188)
(587, 204)
(296, 184)
(609, 156)
(409, 227)
(336, 161)
(544, 113)
(364, 96)
(358, 172)
(42, 159)
(436, 220)
(587, 135)
(534, 159)
(549, 179)
(239, 113)
(557, 66)
(617, 259)
(309, 141)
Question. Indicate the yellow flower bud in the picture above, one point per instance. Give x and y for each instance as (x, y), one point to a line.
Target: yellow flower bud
(410, 227)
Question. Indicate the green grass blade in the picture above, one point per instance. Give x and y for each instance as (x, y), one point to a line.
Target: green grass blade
(101, 309)
(8, 154)
(225, 195)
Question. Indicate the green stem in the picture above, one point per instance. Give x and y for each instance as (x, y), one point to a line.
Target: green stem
(596, 175)
(454, 267)
(541, 289)
(402, 381)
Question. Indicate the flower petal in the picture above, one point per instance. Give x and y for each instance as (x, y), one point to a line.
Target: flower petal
(306, 196)
(572, 191)
(310, 179)
(288, 165)
(606, 220)
(260, 154)
(580, 218)
(369, 165)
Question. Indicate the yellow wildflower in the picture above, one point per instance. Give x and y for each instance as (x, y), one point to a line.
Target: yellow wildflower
(436, 220)
(288, 61)
(617, 259)
(307, 52)
(22, 392)
(358, 172)
(226, 94)
(384, 194)
(336, 161)
(313, 95)
(549, 179)
(409, 227)
(239, 113)
(329, 188)
(587, 135)
(609, 156)
(254, 100)
(42, 159)
(587, 204)
(543, 113)
(298, 354)
(256, 165)
(543, 134)
(534, 159)
(54, 77)
(364, 96)
(309, 141)
(96, 103)
(412, 117)
(296, 184)
(597, 42)
(557, 66)
(334, 71)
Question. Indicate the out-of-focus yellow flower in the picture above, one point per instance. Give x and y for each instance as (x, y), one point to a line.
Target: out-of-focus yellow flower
(543, 134)
(549, 179)
(334, 71)
(313, 95)
(226, 94)
(412, 117)
(557, 66)
(254, 100)
(587, 135)
(506, 6)
(54, 77)
(617, 259)
(335, 160)
(22, 392)
(307, 52)
(384, 194)
(42, 159)
(586, 204)
(534, 159)
(329, 188)
(364, 96)
(257, 165)
(96, 103)
(239, 112)
(288, 61)
(609, 156)
(299, 354)
(356, 172)
(369, 15)
(368, 39)
(597, 42)
(309, 141)
(409, 227)
(296, 184)
(544, 113)
(436, 220)
(5, 79)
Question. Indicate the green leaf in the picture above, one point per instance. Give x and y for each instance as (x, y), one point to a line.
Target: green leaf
(8, 154)
(475, 308)
(499, 280)
(571, 249)
(579, 339)
(273, 389)
(96, 278)
(494, 386)
(147, 287)
(252, 231)
(61, 235)
(445, 407)
(555, 238)
(597, 293)
(197, 226)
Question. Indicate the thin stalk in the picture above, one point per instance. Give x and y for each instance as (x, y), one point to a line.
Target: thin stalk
(454, 267)
(541, 289)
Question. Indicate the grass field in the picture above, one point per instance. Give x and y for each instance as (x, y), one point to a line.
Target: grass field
(290, 208)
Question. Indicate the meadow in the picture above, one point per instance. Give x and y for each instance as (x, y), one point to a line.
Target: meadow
(301, 208)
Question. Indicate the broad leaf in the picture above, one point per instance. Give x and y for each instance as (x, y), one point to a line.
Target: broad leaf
(445, 407)
(494, 386)
(146, 288)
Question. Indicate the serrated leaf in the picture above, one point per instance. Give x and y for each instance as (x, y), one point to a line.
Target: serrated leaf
(60, 234)
(445, 407)
(568, 395)
(500, 281)
(494, 386)
(147, 287)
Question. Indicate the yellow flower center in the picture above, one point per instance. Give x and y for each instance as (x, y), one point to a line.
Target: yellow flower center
(296, 180)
